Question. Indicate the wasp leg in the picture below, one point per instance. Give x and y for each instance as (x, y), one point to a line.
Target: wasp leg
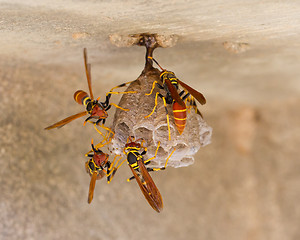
(155, 169)
(155, 105)
(162, 168)
(119, 86)
(148, 160)
(131, 178)
(165, 104)
(106, 103)
(106, 138)
(108, 165)
(108, 107)
(185, 98)
(117, 106)
(187, 94)
(95, 124)
(153, 86)
(99, 121)
(142, 143)
(193, 104)
(114, 167)
(144, 152)
(168, 121)
(111, 171)
(196, 108)
(89, 153)
(87, 120)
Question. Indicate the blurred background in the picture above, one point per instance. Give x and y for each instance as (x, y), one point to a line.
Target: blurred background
(243, 56)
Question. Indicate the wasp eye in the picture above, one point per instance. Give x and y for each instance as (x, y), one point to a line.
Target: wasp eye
(91, 165)
(89, 106)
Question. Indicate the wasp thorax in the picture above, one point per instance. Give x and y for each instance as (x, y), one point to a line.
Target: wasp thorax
(96, 110)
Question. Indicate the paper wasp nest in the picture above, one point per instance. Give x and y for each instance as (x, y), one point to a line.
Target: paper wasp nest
(154, 128)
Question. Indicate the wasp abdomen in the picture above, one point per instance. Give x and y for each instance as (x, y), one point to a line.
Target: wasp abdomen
(81, 97)
(179, 116)
(132, 158)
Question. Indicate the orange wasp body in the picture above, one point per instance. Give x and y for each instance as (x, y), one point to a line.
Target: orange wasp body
(141, 174)
(97, 110)
(170, 84)
(95, 167)
(137, 163)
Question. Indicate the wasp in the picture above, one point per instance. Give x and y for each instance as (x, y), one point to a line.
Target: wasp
(94, 108)
(97, 167)
(140, 172)
(170, 83)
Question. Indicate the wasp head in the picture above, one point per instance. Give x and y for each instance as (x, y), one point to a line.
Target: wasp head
(95, 109)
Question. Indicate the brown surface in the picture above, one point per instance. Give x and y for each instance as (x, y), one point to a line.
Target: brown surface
(245, 185)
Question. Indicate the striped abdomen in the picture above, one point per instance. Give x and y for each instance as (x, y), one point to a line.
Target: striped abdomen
(179, 116)
(81, 97)
(132, 157)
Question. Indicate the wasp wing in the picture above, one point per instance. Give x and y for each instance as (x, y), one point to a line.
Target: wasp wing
(199, 96)
(174, 93)
(151, 187)
(148, 187)
(66, 120)
(88, 72)
(92, 187)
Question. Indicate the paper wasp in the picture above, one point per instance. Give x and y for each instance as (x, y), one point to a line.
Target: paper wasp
(97, 110)
(170, 84)
(97, 167)
(141, 174)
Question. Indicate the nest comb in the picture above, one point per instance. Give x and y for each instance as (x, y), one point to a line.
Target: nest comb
(154, 129)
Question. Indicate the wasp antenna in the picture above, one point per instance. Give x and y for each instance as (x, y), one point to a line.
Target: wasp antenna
(157, 63)
(88, 72)
(131, 138)
(92, 143)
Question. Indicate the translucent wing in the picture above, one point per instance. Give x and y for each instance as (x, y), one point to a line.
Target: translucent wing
(92, 187)
(199, 96)
(174, 93)
(88, 73)
(66, 121)
(151, 187)
(148, 188)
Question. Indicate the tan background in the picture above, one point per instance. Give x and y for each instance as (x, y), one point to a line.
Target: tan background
(243, 56)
